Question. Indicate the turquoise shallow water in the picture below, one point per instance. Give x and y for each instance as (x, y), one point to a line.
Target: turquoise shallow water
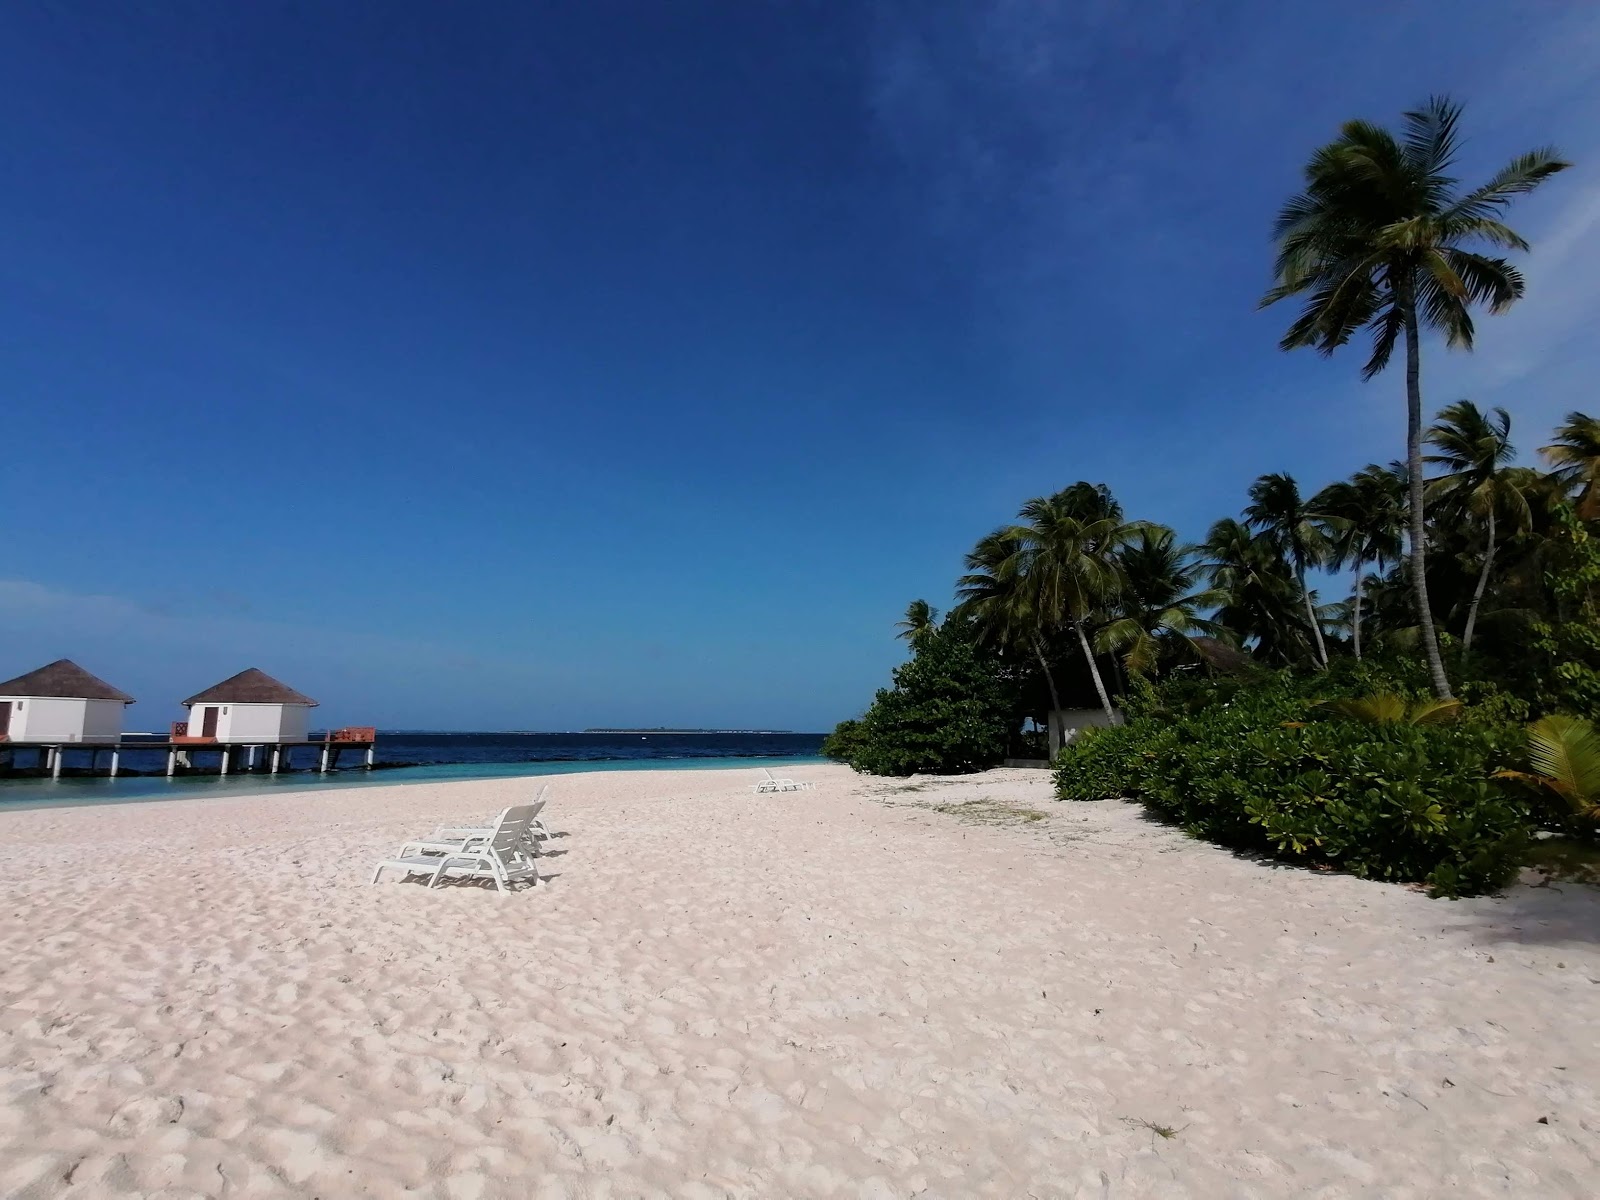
(73, 793)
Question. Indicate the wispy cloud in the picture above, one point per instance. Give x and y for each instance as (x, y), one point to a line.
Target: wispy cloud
(1106, 173)
(161, 653)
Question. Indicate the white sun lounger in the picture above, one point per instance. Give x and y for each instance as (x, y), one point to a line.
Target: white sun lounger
(537, 830)
(773, 783)
(501, 856)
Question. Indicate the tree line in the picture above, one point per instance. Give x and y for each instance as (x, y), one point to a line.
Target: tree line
(1454, 554)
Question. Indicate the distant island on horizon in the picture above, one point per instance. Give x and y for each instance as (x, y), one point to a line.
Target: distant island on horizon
(664, 729)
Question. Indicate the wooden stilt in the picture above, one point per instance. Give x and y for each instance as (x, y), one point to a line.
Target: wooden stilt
(324, 766)
(371, 750)
(57, 755)
(227, 752)
(116, 759)
(250, 763)
(172, 762)
(277, 758)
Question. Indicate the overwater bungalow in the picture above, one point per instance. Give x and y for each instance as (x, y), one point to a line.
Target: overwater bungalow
(61, 703)
(250, 708)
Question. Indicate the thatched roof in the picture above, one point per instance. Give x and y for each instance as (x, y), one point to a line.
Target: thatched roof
(250, 687)
(1220, 656)
(63, 680)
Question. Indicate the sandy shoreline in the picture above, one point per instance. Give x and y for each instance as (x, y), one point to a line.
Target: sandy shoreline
(860, 990)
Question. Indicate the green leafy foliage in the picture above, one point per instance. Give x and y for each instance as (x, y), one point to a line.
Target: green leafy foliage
(1564, 754)
(1259, 768)
(1570, 645)
(844, 742)
(1390, 708)
(948, 712)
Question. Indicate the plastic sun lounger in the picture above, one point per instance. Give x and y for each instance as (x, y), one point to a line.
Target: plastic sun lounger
(537, 829)
(501, 857)
(773, 783)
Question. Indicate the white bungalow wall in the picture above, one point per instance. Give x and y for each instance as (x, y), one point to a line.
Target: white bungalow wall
(53, 719)
(256, 724)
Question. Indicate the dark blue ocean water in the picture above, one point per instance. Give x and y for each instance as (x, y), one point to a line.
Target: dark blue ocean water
(429, 757)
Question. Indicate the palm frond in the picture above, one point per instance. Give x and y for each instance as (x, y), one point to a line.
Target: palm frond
(1431, 138)
(1517, 178)
(1564, 752)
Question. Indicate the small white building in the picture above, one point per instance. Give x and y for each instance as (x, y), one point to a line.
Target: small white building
(61, 703)
(250, 708)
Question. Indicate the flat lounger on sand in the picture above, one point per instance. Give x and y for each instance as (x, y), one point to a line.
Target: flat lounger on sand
(501, 857)
(773, 784)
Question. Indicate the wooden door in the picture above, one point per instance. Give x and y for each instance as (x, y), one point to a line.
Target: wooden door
(208, 723)
(5, 718)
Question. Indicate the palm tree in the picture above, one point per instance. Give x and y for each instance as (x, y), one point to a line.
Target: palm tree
(1067, 547)
(1576, 458)
(919, 619)
(1380, 238)
(1364, 516)
(1475, 449)
(1258, 599)
(1160, 604)
(995, 595)
(1291, 527)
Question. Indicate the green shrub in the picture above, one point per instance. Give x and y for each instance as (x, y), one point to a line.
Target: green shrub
(1267, 770)
(948, 712)
(844, 742)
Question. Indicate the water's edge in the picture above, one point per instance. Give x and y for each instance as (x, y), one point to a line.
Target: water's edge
(24, 794)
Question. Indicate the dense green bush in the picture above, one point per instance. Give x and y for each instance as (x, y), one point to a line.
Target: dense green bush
(1263, 767)
(845, 742)
(948, 712)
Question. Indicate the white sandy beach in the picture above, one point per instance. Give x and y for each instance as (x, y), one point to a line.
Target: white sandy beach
(831, 993)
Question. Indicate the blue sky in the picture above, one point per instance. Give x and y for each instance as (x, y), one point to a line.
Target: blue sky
(535, 366)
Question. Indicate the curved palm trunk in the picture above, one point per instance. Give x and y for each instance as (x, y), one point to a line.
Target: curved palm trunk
(1094, 670)
(1418, 551)
(1355, 613)
(1483, 581)
(1051, 723)
(1311, 618)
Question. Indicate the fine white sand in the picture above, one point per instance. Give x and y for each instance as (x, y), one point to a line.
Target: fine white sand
(853, 991)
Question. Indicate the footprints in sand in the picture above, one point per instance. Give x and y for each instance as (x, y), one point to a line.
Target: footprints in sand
(719, 997)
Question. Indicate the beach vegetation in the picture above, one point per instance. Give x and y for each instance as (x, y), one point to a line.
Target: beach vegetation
(1564, 759)
(1383, 239)
(1341, 675)
(949, 710)
(1278, 769)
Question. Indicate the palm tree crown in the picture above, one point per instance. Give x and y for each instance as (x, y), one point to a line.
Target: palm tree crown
(920, 618)
(1291, 527)
(1161, 603)
(1258, 595)
(1475, 450)
(1576, 457)
(1363, 517)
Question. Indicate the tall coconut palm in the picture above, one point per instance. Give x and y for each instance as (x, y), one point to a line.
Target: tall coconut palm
(1475, 450)
(1259, 599)
(919, 619)
(1381, 238)
(1365, 516)
(1576, 459)
(1291, 527)
(1068, 546)
(997, 597)
(1162, 603)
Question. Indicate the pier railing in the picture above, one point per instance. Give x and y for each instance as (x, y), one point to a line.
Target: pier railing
(354, 733)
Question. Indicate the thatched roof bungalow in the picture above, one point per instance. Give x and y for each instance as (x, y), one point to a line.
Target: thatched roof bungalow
(61, 702)
(252, 708)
